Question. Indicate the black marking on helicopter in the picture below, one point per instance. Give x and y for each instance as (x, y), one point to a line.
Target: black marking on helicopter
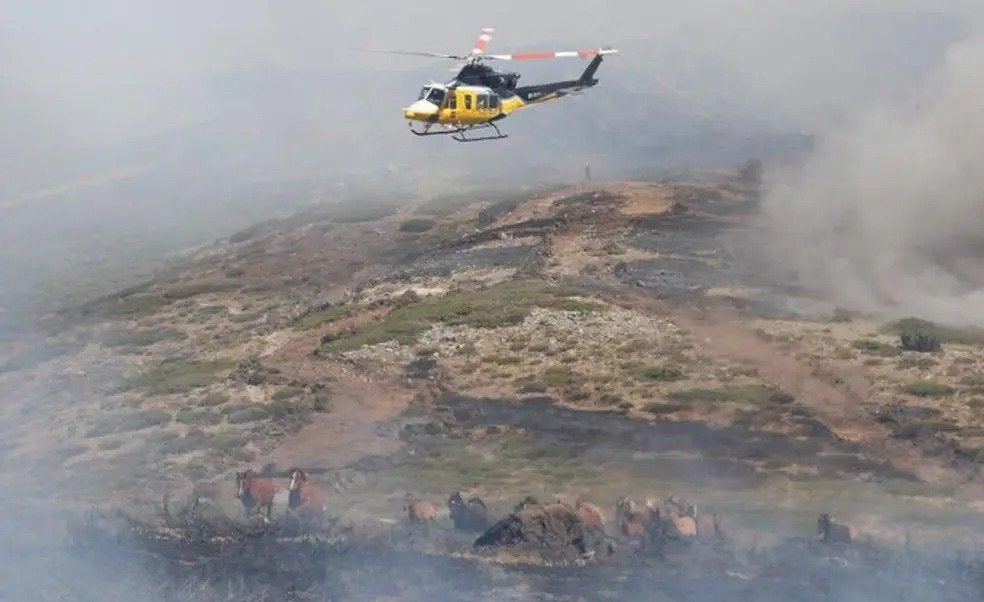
(504, 84)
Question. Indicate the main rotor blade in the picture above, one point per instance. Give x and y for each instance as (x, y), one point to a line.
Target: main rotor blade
(437, 55)
(565, 54)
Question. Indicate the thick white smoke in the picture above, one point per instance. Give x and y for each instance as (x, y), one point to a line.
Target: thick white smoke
(888, 214)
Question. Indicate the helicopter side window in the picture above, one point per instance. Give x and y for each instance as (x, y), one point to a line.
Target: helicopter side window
(436, 96)
(494, 101)
(482, 102)
(452, 101)
(468, 102)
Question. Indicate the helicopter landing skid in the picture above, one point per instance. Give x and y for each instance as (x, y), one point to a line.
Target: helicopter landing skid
(458, 133)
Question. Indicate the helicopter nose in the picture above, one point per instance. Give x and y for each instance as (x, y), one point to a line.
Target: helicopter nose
(420, 110)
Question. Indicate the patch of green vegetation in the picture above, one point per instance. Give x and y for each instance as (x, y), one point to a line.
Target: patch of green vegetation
(502, 360)
(213, 310)
(197, 416)
(131, 421)
(142, 338)
(214, 399)
(229, 440)
(496, 307)
(662, 373)
(749, 393)
(926, 388)
(320, 318)
(202, 288)
(944, 334)
(417, 226)
(287, 392)
(177, 376)
(663, 408)
(560, 376)
(873, 347)
(248, 414)
(135, 306)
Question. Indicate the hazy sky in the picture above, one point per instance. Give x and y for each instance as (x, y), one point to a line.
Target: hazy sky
(140, 120)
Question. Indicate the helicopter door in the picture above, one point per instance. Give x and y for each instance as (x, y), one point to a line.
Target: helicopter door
(482, 102)
(494, 102)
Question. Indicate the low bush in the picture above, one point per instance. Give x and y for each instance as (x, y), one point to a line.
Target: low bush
(142, 338)
(177, 376)
(662, 373)
(873, 347)
(663, 408)
(925, 388)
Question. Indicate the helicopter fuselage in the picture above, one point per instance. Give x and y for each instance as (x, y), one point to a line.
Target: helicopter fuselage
(481, 95)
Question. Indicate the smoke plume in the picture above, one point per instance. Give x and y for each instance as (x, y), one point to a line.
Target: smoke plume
(887, 214)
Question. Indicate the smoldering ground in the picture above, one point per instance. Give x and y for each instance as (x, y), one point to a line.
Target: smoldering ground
(201, 558)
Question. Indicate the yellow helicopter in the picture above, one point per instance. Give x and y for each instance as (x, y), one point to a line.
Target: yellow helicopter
(479, 96)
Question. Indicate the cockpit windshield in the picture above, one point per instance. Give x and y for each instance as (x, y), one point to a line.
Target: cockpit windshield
(434, 95)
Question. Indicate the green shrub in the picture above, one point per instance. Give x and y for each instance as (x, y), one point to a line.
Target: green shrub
(134, 306)
(944, 334)
(132, 421)
(142, 338)
(663, 408)
(286, 393)
(199, 417)
(201, 288)
(925, 388)
(320, 318)
(250, 414)
(751, 393)
(213, 310)
(177, 376)
(662, 373)
(873, 347)
(214, 399)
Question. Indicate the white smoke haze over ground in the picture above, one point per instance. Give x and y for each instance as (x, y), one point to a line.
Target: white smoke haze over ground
(887, 214)
(151, 127)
